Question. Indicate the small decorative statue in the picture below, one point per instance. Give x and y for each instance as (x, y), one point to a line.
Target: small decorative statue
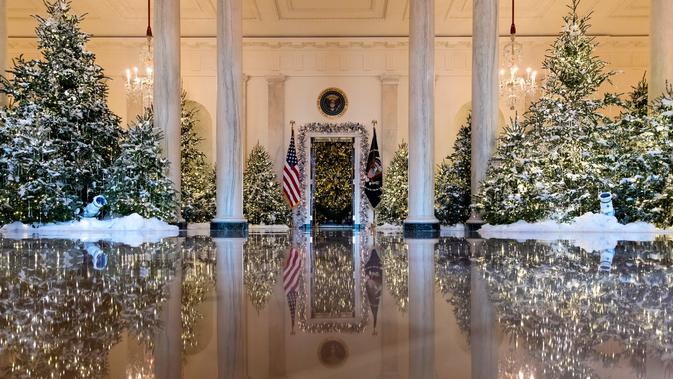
(606, 260)
(98, 257)
(93, 208)
(606, 203)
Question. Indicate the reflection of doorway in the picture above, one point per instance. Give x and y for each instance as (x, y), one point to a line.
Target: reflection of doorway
(332, 180)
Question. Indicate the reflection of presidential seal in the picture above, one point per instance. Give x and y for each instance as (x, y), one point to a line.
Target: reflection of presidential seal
(332, 353)
(332, 102)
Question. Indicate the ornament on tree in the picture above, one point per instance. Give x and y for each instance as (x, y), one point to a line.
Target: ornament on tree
(452, 180)
(263, 201)
(138, 178)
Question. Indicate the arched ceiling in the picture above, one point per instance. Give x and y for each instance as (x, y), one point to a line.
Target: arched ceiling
(339, 18)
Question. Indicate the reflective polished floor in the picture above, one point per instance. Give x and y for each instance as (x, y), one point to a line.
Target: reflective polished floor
(335, 305)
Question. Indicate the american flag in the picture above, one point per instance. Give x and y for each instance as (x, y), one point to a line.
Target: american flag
(291, 274)
(291, 175)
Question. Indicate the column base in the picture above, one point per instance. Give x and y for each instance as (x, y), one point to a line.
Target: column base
(182, 225)
(228, 229)
(475, 221)
(421, 230)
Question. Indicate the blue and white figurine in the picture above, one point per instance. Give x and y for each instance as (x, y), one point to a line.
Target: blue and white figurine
(98, 256)
(606, 260)
(606, 204)
(93, 208)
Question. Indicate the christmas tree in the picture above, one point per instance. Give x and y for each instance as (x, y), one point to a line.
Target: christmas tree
(570, 157)
(656, 152)
(452, 182)
(59, 102)
(198, 176)
(393, 208)
(263, 201)
(509, 191)
(138, 178)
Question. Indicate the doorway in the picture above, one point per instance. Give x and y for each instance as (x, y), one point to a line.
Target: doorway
(332, 174)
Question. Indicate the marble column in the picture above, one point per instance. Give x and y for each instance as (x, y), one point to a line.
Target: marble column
(168, 340)
(388, 127)
(230, 133)
(483, 327)
(421, 219)
(244, 113)
(167, 87)
(276, 126)
(661, 47)
(3, 44)
(231, 346)
(421, 308)
(484, 91)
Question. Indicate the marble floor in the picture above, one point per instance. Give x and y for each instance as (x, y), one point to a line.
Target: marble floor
(335, 305)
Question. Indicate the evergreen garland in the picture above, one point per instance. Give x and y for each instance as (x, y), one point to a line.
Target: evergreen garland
(393, 208)
(138, 178)
(198, 176)
(263, 201)
(453, 178)
(58, 135)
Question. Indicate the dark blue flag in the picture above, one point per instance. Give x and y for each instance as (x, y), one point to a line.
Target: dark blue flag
(374, 179)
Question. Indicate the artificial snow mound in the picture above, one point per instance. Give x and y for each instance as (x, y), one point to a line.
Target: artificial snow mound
(132, 230)
(591, 232)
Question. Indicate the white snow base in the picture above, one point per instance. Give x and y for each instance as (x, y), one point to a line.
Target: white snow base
(592, 232)
(132, 230)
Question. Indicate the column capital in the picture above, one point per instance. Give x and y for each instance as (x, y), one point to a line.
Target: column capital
(278, 78)
(389, 78)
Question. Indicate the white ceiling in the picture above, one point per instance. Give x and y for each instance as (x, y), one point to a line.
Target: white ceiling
(352, 18)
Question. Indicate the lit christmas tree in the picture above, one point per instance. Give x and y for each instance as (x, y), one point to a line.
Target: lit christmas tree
(452, 181)
(198, 176)
(138, 178)
(263, 201)
(393, 207)
(567, 130)
(509, 191)
(58, 117)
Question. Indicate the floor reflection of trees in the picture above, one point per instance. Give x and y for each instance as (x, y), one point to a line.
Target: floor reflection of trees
(552, 300)
(59, 317)
(262, 264)
(452, 277)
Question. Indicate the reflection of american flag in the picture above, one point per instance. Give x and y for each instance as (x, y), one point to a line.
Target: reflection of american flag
(291, 175)
(291, 274)
(292, 271)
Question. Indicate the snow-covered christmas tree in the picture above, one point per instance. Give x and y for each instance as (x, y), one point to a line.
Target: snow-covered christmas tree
(59, 136)
(567, 132)
(139, 181)
(198, 176)
(509, 191)
(393, 208)
(263, 201)
(452, 180)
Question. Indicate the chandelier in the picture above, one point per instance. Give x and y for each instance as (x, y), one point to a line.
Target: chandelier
(515, 85)
(139, 81)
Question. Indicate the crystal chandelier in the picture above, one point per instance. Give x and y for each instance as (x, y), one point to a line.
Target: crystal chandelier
(515, 85)
(139, 81)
